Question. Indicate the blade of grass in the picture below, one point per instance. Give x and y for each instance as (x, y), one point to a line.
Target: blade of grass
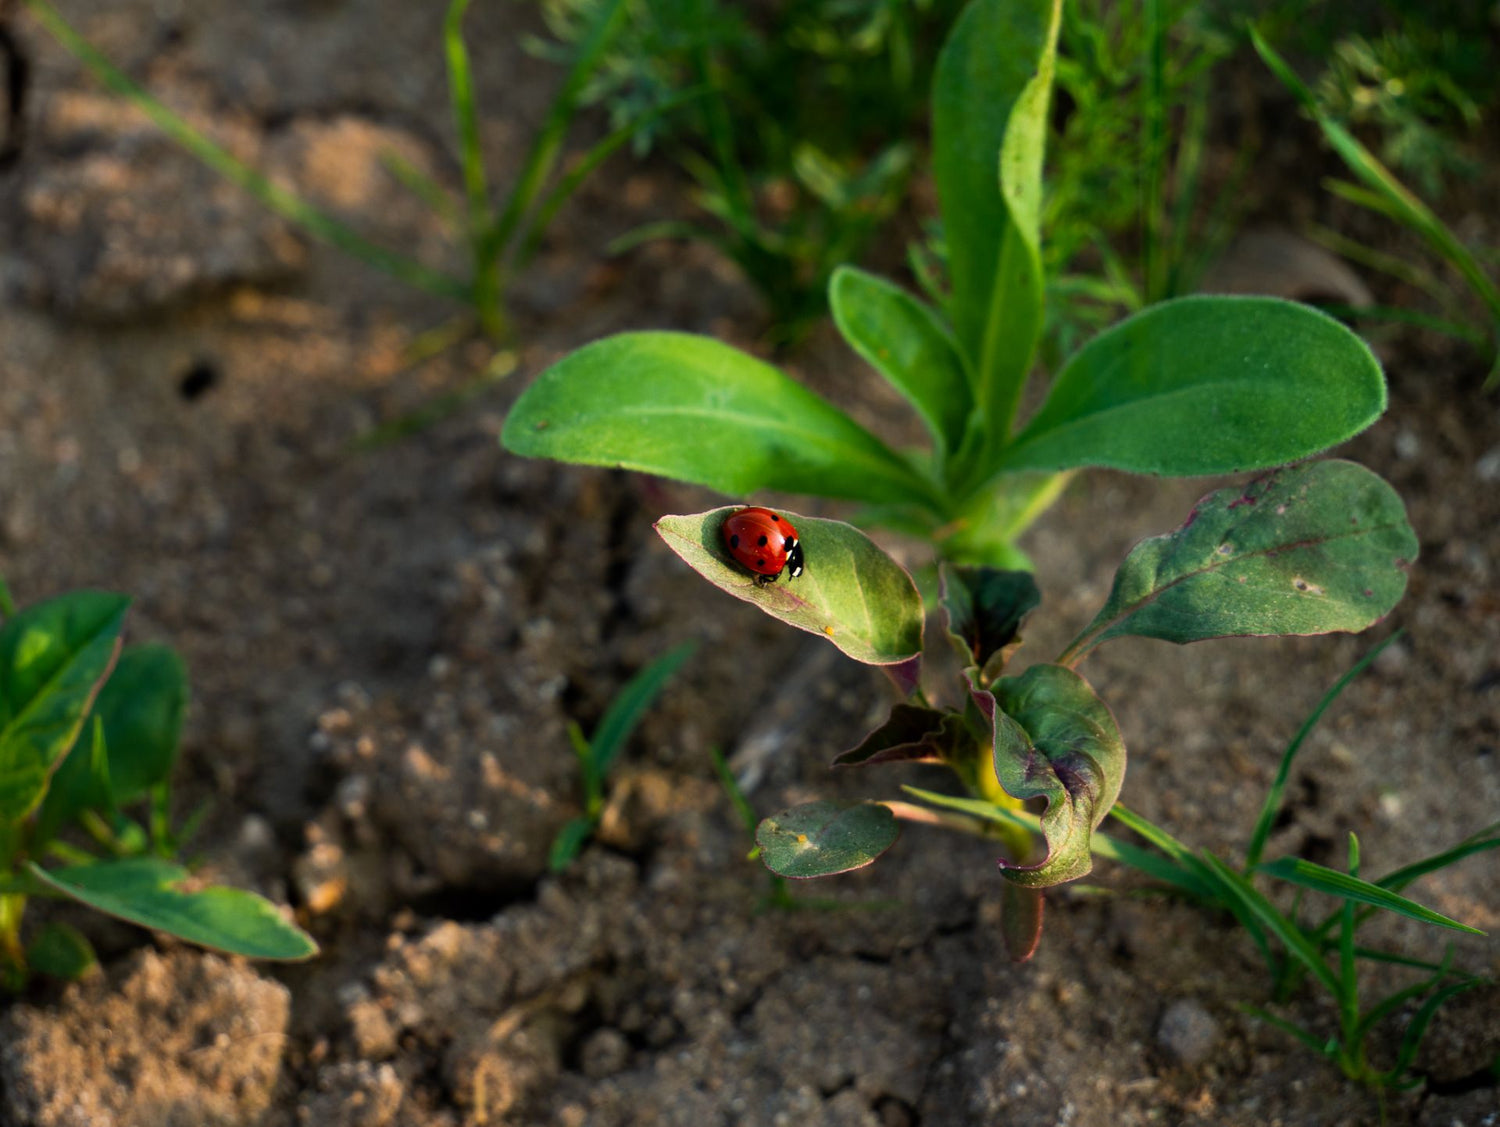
(631, 703)
(1412, 1040)
(283, 202)
(546, 210)
(731, 787)
(1295, 870)
(542, 155)
(1349, 969)
(7, 604)
(1297, 944)
(1397, 201)
(1320, 1046)
(466, 120)
(1272, 805)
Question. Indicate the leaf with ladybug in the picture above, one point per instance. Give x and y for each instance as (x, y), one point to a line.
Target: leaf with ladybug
(850, 591)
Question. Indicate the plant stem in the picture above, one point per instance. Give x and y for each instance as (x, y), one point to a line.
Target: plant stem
(12, 954)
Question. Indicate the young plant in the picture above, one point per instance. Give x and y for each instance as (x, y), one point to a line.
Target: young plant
(1199, 385)
(597, 754)
(87, 726)
(1380, 191)
(798, 144)
(501, 236)
(1193, 386)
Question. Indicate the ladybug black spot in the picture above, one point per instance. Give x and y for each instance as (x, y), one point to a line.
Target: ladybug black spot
(762, 541)
(760, 563)
(734, 541)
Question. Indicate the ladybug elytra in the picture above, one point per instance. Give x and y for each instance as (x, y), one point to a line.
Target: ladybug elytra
(763, 543)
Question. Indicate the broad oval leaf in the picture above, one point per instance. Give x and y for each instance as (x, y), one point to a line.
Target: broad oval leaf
(903, 340)
(821, 839)
(694, 409)
(1204, 385)
(989, 59)
(142, 706)
(53, 657)
(1055, 739)
(1309, 549)
(851, 592)
(146, 891)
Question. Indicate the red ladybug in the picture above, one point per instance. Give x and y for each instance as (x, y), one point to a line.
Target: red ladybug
(763, 543)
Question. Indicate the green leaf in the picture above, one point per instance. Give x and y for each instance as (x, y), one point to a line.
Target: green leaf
(987, 63)
(1055, 739)
(851, 592)
(983, 608)
(631, 704)
(1319, 878)
(820, 839)
(1310, 549)
(1271, 805)
(1250, 900)
(141, 706)
(53, 658)
(62, 951)
(1205, 385)
(145, 891)
(911, 734)
(691, 408)
(568, 842)
(903, 340)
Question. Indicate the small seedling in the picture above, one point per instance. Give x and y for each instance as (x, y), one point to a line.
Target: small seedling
(598, 753)
(87, 727)
(501, 236)
(798, 147)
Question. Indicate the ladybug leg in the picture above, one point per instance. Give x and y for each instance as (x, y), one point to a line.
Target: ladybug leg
(765, 580)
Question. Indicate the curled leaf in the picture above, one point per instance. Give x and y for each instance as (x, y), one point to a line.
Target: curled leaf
(911, 734)
(1055, 739)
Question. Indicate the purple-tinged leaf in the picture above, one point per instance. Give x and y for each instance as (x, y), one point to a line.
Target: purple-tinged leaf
(1308, 549)
(1021, 920)
(850, 592)
(983, 608)
(821, 839)
(1055, 739)
(911, 734)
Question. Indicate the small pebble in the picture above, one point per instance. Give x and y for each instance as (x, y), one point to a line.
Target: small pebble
(1187, 1032)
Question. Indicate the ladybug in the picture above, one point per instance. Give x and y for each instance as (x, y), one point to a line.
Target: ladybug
(763, 543)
